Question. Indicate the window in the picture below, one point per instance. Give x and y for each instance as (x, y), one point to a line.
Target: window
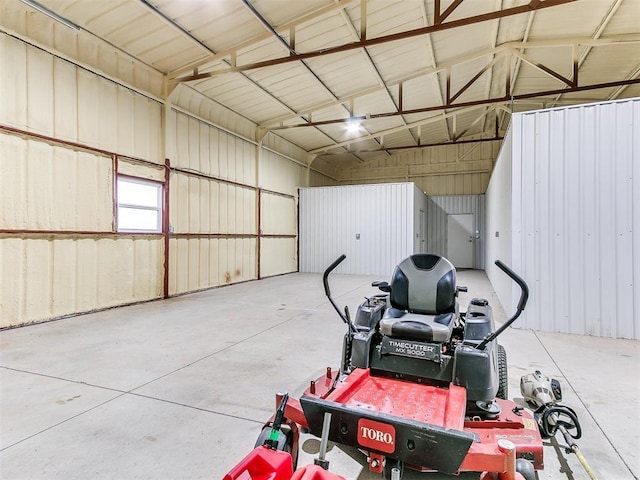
(139, 205)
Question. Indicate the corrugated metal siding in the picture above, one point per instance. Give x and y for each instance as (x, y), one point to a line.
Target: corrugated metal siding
(499, 220)
(576, 182)
(439, 207)
(330, 218)
(420, 214)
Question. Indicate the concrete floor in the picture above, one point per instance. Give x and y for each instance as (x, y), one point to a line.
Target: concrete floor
(179, 389)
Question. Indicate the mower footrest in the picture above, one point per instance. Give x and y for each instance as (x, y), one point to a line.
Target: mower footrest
(411, 441)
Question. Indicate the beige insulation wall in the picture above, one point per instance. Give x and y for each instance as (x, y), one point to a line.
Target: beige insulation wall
(75, 116)
(57, 240)
(213, 207)
(233, 206)
(462, 169)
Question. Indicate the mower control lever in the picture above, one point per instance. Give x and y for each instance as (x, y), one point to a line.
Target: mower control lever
(524, 296)
(325, 281)
(521, 283)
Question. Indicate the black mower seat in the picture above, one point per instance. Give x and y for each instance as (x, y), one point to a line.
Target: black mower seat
(416, 326)
(423, 299)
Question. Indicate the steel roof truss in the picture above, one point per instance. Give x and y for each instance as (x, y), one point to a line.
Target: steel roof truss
(533, 5)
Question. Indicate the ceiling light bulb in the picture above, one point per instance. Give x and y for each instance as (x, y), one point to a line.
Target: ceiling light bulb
(353, 126)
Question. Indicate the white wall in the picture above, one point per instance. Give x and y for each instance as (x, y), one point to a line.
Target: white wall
(330, 218)
(420, 208)
(574, 191)
(498, 238)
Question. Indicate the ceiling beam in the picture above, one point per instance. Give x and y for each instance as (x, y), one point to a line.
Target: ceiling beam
(618, 91)
(488, 101)
(286, 45)
(597, 34)
(533, 5)
(584, 41)
(433, 62)
(287, 27)
(425, 145)
(434, 119)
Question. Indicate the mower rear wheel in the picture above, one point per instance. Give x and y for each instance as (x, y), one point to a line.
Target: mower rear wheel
(503, 377)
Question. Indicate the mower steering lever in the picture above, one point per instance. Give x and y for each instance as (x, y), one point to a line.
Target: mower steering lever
(524, 296)
(521, 283)
(325, 281)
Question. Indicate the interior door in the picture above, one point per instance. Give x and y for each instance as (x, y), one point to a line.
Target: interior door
(423, 232)
(460, 239)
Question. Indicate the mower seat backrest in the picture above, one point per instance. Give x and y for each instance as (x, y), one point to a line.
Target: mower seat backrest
(423, 300)
(424, 283)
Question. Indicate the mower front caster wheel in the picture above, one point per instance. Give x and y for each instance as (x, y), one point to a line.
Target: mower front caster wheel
(525, 468)
(393, 469)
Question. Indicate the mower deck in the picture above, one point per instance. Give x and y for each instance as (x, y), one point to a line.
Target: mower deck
(422, 425)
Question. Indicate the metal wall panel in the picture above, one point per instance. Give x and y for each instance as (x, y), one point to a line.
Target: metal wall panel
(332, 219)
(57, 276)
(575, 185)
(39, 187)
(439, 207)
(499, 203)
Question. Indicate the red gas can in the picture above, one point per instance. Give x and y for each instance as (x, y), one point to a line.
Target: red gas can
(262, 463)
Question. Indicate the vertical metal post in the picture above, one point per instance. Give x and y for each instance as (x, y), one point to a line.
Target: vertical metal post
(326, 426)
(165, 226)
(259, 233)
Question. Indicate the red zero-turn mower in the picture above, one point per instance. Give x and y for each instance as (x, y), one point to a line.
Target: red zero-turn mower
(421, 385)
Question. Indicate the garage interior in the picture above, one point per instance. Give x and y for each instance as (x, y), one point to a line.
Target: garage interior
(152, 155)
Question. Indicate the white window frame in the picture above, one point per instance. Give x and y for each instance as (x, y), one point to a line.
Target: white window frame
(157, 208)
